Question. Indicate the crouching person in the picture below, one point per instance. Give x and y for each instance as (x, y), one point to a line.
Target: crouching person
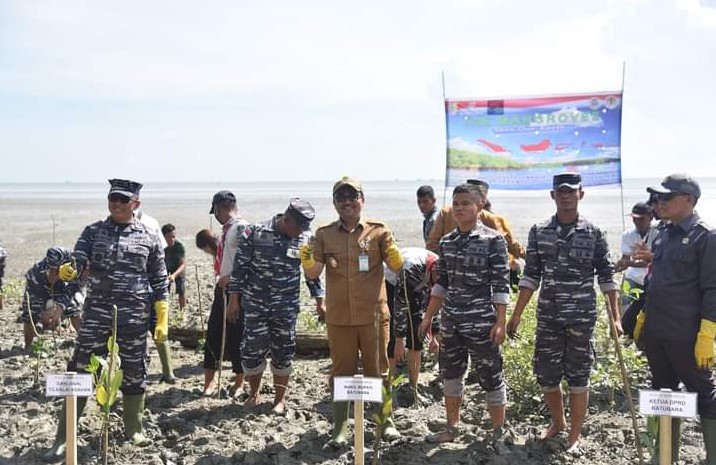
(48, 300)
(125, 262)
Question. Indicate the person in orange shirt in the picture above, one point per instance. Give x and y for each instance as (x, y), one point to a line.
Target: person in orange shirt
(352, 250)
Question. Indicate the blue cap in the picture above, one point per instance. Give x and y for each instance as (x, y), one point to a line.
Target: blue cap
(124, 187)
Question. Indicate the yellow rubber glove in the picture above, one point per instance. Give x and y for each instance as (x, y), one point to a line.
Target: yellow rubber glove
(67, 271)
(394, 258)
(639, 326)
(161, 330)
(704, 348)
(305, 253)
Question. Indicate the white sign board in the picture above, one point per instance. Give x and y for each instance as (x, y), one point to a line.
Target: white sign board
(67, 384)
(667, 403)
(358, 388)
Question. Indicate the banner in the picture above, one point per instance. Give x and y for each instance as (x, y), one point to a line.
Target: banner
(521, 143)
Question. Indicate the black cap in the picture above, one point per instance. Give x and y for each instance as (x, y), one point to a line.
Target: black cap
(573, 180)
(124, 187)
(222, 197)
(482, 185)
(56, 256)
(640, 209)
(679, 183)
(302, 212)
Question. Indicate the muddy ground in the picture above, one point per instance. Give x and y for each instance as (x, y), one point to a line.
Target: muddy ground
(187, 429)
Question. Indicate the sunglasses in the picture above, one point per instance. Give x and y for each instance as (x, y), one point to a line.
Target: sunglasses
(118, 198)
(667, 197)
(346, 197)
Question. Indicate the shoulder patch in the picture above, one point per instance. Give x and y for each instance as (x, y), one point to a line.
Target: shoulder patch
(246, 232)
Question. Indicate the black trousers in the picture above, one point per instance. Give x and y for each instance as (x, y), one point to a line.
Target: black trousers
(672, 362)
(234, 334)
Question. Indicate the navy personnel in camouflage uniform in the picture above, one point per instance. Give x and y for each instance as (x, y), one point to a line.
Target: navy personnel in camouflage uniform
(50, 298)
(563, 255)
(473, 288)
(265, 284)
(125, 263)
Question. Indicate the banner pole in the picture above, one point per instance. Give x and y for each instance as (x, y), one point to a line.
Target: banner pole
(621, 157)
(447, 137)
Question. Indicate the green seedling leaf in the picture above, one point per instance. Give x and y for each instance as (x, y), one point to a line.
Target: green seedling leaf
(93, 364)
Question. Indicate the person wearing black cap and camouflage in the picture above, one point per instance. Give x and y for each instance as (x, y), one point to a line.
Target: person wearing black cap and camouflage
(678, 323)
(352, 250)
(265, 287)
(563, 255)
(642, 233)
(125, 264)
(224, 209)
(50, 298)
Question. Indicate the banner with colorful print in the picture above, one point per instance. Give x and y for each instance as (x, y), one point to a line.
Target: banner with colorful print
(520, 143)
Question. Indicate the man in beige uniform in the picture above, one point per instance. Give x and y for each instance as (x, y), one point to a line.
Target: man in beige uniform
(353, 249)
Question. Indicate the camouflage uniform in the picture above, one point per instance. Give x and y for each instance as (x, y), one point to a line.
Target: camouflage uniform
(3, 255)
(473, 275)
(126, 269)
(564, 259)
(267, 274)
(69, 295)
(415, 281)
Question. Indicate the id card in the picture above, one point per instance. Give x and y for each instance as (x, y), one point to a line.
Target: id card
(363, 262)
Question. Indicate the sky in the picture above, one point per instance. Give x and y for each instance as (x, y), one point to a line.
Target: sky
(174, 90)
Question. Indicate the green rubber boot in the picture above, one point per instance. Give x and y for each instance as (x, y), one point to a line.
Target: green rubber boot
(339, 438)
(166, 359)
(132, 415)
(708, 428)
(57, 451)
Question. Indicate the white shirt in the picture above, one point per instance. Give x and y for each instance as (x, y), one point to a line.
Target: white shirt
(630, 237)
(231, 243)
(152, 225)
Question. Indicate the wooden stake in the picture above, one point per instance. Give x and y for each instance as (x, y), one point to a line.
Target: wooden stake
(664, 440)
(71, 430)
(359, 429)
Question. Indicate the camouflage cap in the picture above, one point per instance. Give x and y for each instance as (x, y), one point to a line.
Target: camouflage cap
(302, 212)
(124, 187)
(679, 183)
(569, 179)
(56, 256)
(347, 181)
